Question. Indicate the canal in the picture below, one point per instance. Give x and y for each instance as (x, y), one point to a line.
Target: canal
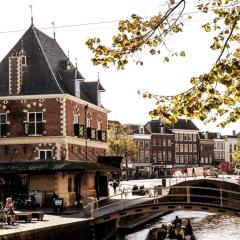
(206, 226)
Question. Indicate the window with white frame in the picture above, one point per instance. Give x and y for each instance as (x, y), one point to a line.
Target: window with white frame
(186, 158)
(185, 137)
(177, 158)
(195, 158)
(154, 142)
(222, 146)
(194, 147)
(194, 137)
(88, 122)
(190, 158)
(35, 123)
(181, 159)
(181, 147)
(190, 147)
(75, 119)
(190, 137)
(181, 137)
(176, 136)
(99, 125)
(147, 143)
(169, 142)
(185, 147)
(3, 124)
(177, 148)
(45, 154)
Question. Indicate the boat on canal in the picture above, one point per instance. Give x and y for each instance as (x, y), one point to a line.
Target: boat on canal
(171, 231)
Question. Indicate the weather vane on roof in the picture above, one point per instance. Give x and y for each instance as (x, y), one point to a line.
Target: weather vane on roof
(31, 14)
(98, 77)
(54, 34)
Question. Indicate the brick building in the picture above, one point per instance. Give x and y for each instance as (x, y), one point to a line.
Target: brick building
(52, 123)
(174, 146)
(142, 163)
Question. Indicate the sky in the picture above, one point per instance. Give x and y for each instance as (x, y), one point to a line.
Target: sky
(77, 20)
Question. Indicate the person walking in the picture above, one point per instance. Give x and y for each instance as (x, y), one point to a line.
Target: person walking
(115, 185)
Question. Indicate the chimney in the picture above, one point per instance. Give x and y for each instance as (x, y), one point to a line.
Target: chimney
(17, 64)
(206, 135)
(234, 132)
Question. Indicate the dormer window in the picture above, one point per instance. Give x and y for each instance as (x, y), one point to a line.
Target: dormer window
(24, 60)
(141, 130)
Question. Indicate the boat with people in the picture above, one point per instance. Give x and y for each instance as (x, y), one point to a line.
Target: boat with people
(178, 229)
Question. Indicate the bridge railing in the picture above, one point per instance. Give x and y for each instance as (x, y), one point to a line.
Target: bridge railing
(188, 194)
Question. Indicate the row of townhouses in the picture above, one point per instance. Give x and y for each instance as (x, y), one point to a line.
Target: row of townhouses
(179, 145)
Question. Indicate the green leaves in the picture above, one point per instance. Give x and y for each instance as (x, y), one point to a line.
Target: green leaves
(214, 93)
(207, 27)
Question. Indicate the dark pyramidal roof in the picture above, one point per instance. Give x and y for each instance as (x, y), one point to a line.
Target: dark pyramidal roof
(155, 126)
(48, 69)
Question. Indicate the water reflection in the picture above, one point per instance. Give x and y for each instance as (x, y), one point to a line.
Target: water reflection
(206, 226)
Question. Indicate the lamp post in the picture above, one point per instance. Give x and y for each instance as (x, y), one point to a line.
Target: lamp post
(86, 134)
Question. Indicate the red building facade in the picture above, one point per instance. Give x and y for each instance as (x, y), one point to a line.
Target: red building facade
(52, 124)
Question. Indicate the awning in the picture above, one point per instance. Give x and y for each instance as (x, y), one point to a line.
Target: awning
(53, 166)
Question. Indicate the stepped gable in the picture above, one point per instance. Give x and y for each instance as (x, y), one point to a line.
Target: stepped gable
(47, 70)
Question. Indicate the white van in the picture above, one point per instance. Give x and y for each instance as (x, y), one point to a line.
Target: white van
(237, 169)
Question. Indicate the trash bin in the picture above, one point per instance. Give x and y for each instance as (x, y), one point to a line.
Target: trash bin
(86, 206)
(164, 182)
(58, 204)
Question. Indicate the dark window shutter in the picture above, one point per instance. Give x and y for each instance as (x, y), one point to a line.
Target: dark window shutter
(93, 133)
(88, 133)
(99, 135)
(26, 128)
(3, 130)
(104, 137)
(81, 130)
(76, 129)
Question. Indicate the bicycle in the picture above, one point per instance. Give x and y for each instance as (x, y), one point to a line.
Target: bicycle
(7, 217)
(3, 216)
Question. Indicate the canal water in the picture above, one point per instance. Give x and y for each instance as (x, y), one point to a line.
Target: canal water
(206, 226)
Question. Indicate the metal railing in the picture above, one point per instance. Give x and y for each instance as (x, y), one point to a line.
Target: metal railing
(185, 194)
